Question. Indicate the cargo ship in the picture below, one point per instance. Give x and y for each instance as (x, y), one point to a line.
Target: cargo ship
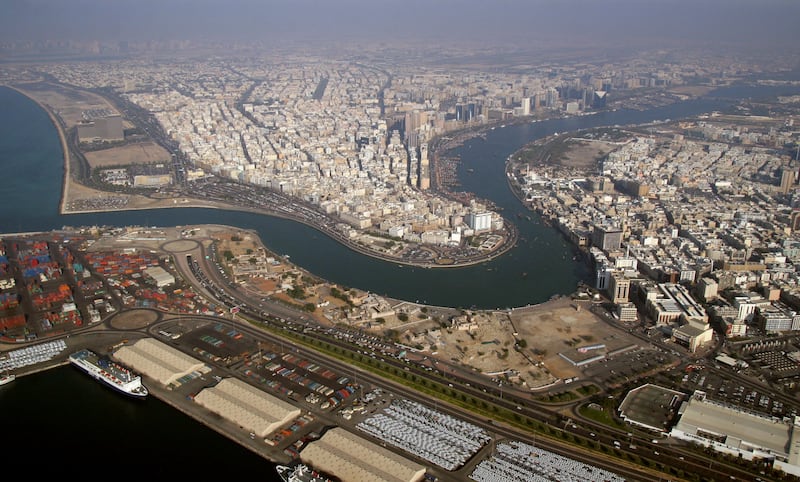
(109, 372)
(300, 473)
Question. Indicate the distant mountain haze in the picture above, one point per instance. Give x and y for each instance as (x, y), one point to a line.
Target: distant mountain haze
(650, 23)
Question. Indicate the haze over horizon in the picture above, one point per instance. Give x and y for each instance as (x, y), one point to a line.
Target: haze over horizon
(517, 23)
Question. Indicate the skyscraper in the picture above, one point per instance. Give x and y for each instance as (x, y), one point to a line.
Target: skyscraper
(471, 111)
(526, 106)
(787, 180)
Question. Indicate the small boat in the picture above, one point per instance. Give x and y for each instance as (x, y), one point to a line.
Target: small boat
(7, 378)
(300, 473)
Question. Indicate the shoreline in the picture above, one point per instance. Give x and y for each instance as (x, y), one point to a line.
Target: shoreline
(64, 147)
(162, 394)
(510, 234)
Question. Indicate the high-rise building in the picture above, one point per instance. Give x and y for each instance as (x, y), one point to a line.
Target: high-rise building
(479, 222)
(602, 277)
(607, 238)
(551, 97)
(787, 180)
(471, 111)
(619, 288)
(460, 112)
(599, 99)
(526, 106)
(795, 219)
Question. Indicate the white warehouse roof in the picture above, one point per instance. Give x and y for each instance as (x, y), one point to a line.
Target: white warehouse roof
(351, 457)
(158, 360)
(246, 405)
(161, 276)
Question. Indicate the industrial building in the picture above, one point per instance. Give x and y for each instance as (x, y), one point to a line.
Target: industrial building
(233, 399)
(161, 276)
(740, 432)
(247, 406)
(350, 457)
(651, 407)
(159, 361)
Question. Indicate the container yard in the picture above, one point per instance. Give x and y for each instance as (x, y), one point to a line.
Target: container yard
(51, 284)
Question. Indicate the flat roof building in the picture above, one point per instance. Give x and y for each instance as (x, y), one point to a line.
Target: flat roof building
(740, 432)
(161, 276)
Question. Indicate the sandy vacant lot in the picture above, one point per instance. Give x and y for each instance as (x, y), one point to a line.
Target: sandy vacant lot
(584, 153)
(68, 103)
(560, 326)
(139, 153)
(565, 327)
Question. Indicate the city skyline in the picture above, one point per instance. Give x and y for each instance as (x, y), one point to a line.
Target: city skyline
(634, 163)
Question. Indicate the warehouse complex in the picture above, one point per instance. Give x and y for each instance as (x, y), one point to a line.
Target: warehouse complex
(251, 408)
(350, 457)
(231, 398)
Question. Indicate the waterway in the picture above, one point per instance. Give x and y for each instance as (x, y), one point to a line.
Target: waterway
(64, 424)
(540, 266)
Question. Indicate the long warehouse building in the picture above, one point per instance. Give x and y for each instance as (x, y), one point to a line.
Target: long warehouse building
(351, 457)
(159, 361)
(233, 399)
(246, 405)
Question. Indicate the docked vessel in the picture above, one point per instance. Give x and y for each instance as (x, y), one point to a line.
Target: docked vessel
(109, 372)
(7, 378)
(300, 473)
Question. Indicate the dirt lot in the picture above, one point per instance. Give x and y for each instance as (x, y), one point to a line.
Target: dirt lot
(69, 104)
(565, 327)
(139, 153)
(545, 330)
(569, 152)
(484, 340)
(584, 154)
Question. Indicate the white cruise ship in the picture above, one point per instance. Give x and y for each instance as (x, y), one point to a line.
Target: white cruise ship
(109, 372)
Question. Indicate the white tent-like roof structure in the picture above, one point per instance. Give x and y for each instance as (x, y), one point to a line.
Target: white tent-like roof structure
(247, 406)
(158, 360)
(350, 457)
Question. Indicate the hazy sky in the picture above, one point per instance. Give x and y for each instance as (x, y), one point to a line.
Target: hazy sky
(763, 22)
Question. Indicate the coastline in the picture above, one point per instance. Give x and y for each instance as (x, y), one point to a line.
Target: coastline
(64, 147)
(510, 236)
(177, 402)
(100, 341)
